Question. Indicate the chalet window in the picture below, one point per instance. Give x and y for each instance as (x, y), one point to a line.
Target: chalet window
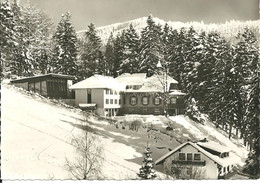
(115, 101)
(133, 100)
(189, 157)
(115, 92)
(224, 170)
(197, 157)
(107, 101)
(107, 91)
(181, 156)
(111, 92)
(145, 100)
(173, 100)
(111, 101)
(157, 101)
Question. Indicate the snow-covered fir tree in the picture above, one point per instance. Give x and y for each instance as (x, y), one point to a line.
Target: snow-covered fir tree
(119, 57)
(38, 27)
(150, 47)
(109, 55)
(91, 61)
(131, 51)
(65, 48)
(7, 33)
(147, 171)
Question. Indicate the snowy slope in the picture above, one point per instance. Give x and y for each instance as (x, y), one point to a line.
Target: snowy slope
(229, 29)
(36, 138)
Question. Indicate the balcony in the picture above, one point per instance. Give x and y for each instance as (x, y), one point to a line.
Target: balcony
(185, 162)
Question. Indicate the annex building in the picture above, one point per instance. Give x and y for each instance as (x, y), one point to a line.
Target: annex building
(201, 160)
(129, 94)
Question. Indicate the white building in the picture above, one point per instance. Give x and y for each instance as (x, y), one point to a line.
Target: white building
(100, 93)
(210, 159)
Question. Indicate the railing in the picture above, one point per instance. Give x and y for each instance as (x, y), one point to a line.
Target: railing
(185, 162)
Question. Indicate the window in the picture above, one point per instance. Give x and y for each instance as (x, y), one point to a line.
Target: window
(107, 91)
(145, 100)
(181, 156)
(111, 101)
(224, 170)
(173, 100)
(115, 93)
(157, 101)
(133, 100)
(107, 101)
(189, 157)
(197, 157)
(115, 101)
(111, 92)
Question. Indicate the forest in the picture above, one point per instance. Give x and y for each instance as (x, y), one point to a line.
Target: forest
(220, 76)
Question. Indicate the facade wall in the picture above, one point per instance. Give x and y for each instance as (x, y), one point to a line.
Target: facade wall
(151, 107)
(209, 171)
(22, 85)
(81, 96)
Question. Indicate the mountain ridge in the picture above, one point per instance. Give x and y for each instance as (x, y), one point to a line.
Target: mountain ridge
(228, 29)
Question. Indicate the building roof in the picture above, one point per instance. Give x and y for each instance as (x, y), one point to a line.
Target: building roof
(155, 83)
(176, 92)
(132, 79)
(214, 146)
(232, 159)
(99, 81)
(53, 75)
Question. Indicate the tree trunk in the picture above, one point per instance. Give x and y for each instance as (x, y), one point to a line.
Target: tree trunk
(230, 131)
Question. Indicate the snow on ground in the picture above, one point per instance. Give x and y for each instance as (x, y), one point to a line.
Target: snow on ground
(239, 151)
(36, 138)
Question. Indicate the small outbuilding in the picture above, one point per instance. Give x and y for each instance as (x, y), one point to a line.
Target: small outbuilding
(48, 85)
(202, 160)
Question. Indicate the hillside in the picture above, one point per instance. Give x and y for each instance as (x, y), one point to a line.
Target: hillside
(229, 30)
(37, 134)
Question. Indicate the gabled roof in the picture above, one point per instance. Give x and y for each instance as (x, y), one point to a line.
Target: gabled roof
(214, 146)
(232, 159)
(155, 83)
(132, 79)
(53, 75)
(99, 81)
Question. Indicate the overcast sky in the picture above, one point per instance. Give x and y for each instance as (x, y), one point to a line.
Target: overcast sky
(105, 12)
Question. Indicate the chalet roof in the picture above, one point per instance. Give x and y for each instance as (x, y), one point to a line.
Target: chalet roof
(214, 146)
(155, 83)
(53, 75)
(99, 81)
(132, 79)
(232, 159)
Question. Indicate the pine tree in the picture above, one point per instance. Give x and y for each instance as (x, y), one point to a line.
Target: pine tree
(150, 48)
(38, 28)
(109, 55)
(147, 171)
(131, 51)
(90, 55)
(119, 57)
(7, 35)
(65, 49)
(21, 64)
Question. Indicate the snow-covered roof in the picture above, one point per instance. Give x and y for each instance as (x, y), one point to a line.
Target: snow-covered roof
(155, 83)
(132, 79)
(176, 92)
(214, 146)
(232, 159)
(43, 75)
(99, 81)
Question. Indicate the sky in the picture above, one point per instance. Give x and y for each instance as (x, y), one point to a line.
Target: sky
(106, 12)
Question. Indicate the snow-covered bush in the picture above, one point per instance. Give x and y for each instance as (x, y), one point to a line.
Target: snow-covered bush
(193, 111)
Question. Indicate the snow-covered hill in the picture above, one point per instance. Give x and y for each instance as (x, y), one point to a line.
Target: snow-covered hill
(37, 134)
(228, 29)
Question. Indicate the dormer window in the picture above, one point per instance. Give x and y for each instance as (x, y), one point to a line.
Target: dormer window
(181, 156)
